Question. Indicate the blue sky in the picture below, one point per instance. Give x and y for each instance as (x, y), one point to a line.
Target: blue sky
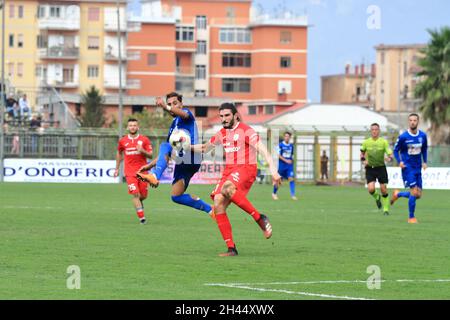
(339, 31)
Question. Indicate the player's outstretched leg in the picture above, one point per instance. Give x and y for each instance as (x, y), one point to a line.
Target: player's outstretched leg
(240, 199)
(165, 150)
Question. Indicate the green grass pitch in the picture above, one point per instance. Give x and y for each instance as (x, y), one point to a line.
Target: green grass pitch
(331, 234)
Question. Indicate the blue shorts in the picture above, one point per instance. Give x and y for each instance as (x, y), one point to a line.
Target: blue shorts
(412, 177)
(185, 172)
(286, 172)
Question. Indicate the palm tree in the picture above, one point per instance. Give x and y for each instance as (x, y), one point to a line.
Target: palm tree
(434, 89)
(93, 116)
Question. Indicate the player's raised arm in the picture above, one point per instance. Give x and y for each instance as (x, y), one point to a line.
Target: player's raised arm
(173, 109)
(260, 147)
(202, 148)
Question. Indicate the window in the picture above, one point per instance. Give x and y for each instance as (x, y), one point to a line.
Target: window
(268, 109)
(11, 11)
(137, 109)
(20, 13)
(41, 12)
(20, 40)
(200, 93)
(68, 74)
(11, 40)
(236, 85)
(55, 12)
(235, 35)
(200, 72)
(93, 14)
(231, 59)
(200, 22)
(11, 69)
(252, 110)
(41, 41)
(93, 43)
(285, 37)
(405, 69)
(201, 47)
(201, 112)
(382, 57)
(184, 34)
(285, 62)
(20, 69)
(151, 59)
(93, 71)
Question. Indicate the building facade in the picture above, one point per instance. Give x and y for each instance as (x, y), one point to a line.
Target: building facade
(218, 48)
(355, 86)
(397, 77)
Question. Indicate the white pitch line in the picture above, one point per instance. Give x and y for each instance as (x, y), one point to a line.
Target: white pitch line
(301, 293)
(330, 282)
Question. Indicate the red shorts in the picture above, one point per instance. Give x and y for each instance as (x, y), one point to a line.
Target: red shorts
(137, 186)
(241, 177)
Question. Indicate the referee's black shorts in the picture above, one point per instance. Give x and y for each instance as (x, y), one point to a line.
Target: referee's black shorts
(377, 173)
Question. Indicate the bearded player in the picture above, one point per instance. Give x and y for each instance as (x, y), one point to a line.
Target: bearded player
(135, 149)
(240, 144)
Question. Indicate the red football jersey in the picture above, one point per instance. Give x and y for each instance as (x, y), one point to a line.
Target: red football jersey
(239, 144)
(133, 159)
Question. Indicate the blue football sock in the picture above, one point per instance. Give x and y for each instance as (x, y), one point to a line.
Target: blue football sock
(161, 164)
(187, 200)
(412, 206)
(292, 187)
(404, 194)
(275, 189)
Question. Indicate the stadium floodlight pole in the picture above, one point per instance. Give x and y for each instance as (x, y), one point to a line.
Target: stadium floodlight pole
(2, 103)
(119, 42)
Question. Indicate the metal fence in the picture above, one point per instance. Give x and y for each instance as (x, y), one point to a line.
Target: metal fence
(101, 144)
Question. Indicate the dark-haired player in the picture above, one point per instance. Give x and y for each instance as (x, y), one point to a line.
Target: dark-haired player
(134, 149)
(240, 145)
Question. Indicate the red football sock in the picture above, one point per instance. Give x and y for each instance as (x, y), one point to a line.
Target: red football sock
(225, 229)
(242, 202)
(140, 213)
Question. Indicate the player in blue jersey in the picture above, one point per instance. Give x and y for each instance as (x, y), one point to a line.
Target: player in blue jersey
(187, 163)
(286, 165)
(410, 150)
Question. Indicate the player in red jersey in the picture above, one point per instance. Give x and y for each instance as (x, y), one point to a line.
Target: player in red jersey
(240, 144)
(135, 149)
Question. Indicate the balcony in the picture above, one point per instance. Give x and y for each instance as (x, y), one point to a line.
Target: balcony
(67, 84)
(59, 53)
(71, 24)
(112, 26)
(114, 56)
(128, 84)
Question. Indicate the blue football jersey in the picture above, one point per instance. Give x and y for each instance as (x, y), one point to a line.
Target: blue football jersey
(411, 149)
(190, 125)
(286, 151)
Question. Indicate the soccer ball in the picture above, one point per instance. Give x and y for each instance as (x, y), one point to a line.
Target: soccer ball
(180, 140)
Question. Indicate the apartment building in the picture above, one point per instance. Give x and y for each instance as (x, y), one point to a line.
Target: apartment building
(68, 45)
(355, 86)
(397, 77)
(218, 48)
